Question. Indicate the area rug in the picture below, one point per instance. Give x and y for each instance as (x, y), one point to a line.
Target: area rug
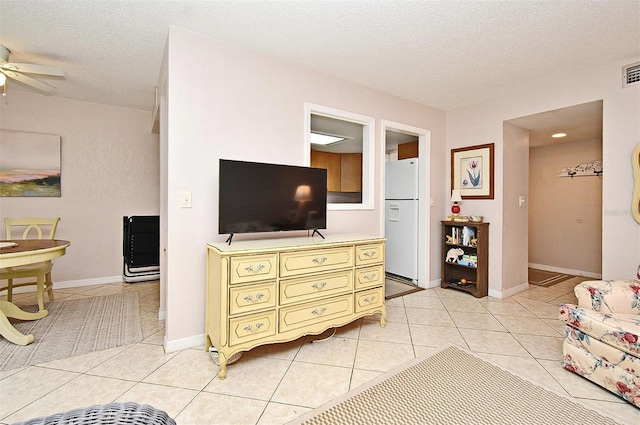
(394, 288)
(546, 278)
(451, 386)
(73, 328)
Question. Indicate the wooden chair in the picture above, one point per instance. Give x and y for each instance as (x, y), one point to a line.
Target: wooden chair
(41, 272)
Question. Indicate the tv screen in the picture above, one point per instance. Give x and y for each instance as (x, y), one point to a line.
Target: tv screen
(259, 197)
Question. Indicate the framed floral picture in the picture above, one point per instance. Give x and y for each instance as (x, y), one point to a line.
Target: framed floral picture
(472, 171)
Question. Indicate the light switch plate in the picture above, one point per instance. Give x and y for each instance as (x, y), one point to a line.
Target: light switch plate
(185, 200)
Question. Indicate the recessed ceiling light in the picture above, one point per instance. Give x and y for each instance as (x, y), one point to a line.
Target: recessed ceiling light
(559, 135)
(324, 139)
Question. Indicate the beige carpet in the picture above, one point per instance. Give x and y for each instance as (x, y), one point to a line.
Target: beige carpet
(73, 328)
(394, 288)
(546, 278)
(451, 386)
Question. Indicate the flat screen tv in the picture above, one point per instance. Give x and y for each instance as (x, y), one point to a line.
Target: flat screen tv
(258, 197)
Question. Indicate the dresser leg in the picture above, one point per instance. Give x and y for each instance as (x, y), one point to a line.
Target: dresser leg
(223, 366)
(383, 317)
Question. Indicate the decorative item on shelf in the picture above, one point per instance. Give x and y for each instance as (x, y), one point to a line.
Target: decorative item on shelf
(469, 261)
(593, 168)
(450, 242)
(476, 218)
(473, 242)
(454, 254)
(468, 233)
(455, 198)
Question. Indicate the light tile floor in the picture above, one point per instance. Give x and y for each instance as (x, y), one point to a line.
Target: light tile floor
(276, 383)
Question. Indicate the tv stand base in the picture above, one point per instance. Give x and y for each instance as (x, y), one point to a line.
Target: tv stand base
(278, 290)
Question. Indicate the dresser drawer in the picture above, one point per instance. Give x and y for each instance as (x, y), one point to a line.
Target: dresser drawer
(317, 260)
(369, 254)
(307, 288)
(309, 314)
(252, 327)
(369, 276)
(368, 300)
(253, 268)
(248, 298)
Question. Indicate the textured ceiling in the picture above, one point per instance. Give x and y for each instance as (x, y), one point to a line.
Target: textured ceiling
(443, 54)
(580, 122)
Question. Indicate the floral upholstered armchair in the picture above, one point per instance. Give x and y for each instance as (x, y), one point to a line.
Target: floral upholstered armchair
(602, 336)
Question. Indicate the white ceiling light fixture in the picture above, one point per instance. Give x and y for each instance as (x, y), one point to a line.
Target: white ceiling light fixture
(17, 71)
(3, 79)
(325, 139)
(559, 135)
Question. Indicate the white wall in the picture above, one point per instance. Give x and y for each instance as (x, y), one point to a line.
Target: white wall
(565, 214)
(483, 123)
(515, 214)
(110, 168)
(237, 104)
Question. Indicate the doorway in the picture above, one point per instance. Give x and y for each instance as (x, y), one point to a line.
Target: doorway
(565, 191)
(407, 144)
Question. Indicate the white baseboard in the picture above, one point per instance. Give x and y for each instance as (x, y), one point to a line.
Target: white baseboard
(183, 343)
(509, 292)
(431, 284)
(87, 282)
(74, 283)
(565, 271)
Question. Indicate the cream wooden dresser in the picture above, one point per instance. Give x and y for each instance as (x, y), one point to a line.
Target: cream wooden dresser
(276, 290)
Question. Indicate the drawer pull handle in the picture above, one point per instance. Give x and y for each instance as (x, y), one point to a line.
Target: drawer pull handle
(249, 328)
(317, 312)
(319, 261)
(319, 286)
(258, 269)
(249, 298)
(371, 276)
(369, 254)
(369, 300)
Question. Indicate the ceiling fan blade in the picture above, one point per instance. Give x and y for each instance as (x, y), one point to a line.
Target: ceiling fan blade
(30, 68)
(31, 82)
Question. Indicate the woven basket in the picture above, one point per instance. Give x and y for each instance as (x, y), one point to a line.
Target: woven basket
(107, 414)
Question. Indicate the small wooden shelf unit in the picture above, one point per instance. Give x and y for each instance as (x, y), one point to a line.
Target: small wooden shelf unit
(472, 239)
(269, 291)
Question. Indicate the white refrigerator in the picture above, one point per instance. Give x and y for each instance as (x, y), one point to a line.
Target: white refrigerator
(401, 218)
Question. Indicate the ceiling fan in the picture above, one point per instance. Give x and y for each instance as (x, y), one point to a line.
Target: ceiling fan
(17, 71)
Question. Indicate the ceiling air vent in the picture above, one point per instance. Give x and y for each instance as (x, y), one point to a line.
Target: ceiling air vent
(631, 74)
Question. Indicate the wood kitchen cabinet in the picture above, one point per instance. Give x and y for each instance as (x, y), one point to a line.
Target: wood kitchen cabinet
(351, 172)
(331, 162)
(408, 150)
(344, 171)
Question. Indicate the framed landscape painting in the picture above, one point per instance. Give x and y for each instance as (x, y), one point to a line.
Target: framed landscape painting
(472, 171)
(29, 164)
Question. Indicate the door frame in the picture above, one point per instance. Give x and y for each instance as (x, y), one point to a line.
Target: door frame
(424, 178)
